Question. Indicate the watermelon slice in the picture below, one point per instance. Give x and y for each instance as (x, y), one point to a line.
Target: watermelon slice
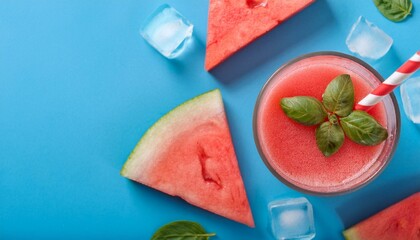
(400, 221)
(232, 24)
(189, 153)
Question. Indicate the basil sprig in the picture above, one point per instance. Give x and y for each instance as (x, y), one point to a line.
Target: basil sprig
(394, 10)
(336, 117)
(182, 230)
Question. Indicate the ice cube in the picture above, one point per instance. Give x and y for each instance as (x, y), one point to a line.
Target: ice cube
(167, 31)
(292, 219)
(410, 94)
(367, 40)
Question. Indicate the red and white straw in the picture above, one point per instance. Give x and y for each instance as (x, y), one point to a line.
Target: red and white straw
(402, 73)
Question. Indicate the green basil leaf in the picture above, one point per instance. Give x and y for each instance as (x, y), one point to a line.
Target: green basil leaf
(362, 128)
(305, 110)
(339, 95)
(181, 230)
(394, 10)
(329, 138)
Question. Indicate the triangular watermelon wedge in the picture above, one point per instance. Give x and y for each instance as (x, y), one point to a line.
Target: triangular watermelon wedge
(232, 24)
(399, 221)
(189, 153)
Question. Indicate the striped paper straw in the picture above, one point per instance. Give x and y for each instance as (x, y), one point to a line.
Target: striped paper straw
(402, 73)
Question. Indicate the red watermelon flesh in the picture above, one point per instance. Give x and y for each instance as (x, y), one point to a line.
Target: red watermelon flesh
(232, 24)
(400, 221)
(189, 153)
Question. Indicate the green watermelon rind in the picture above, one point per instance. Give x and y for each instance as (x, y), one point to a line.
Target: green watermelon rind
(351, 234)
(205, 98)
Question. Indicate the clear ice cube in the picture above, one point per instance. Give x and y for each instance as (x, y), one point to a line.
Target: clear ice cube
(367, 40)
(292, 219)
(167, 31)
(410, 94)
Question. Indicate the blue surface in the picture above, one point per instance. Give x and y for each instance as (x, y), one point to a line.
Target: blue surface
(79, 86)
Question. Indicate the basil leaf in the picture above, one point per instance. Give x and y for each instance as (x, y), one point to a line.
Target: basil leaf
(181, 230)
(329, 138)
(339, 95)
(394, 10)
(362, 128)
(305, 110)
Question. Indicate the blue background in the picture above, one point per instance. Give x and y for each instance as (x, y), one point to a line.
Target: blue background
(79, 86)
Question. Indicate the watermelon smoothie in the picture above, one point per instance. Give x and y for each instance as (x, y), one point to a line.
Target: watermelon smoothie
(289, 149)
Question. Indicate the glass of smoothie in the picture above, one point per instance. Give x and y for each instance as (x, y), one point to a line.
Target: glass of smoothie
(289, 149)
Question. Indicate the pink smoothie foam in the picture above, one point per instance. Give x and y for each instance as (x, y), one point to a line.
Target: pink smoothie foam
(290, 148)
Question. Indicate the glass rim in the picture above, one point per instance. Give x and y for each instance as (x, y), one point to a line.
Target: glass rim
(357, 185)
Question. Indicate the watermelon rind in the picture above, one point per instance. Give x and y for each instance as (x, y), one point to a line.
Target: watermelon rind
(350, 234)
